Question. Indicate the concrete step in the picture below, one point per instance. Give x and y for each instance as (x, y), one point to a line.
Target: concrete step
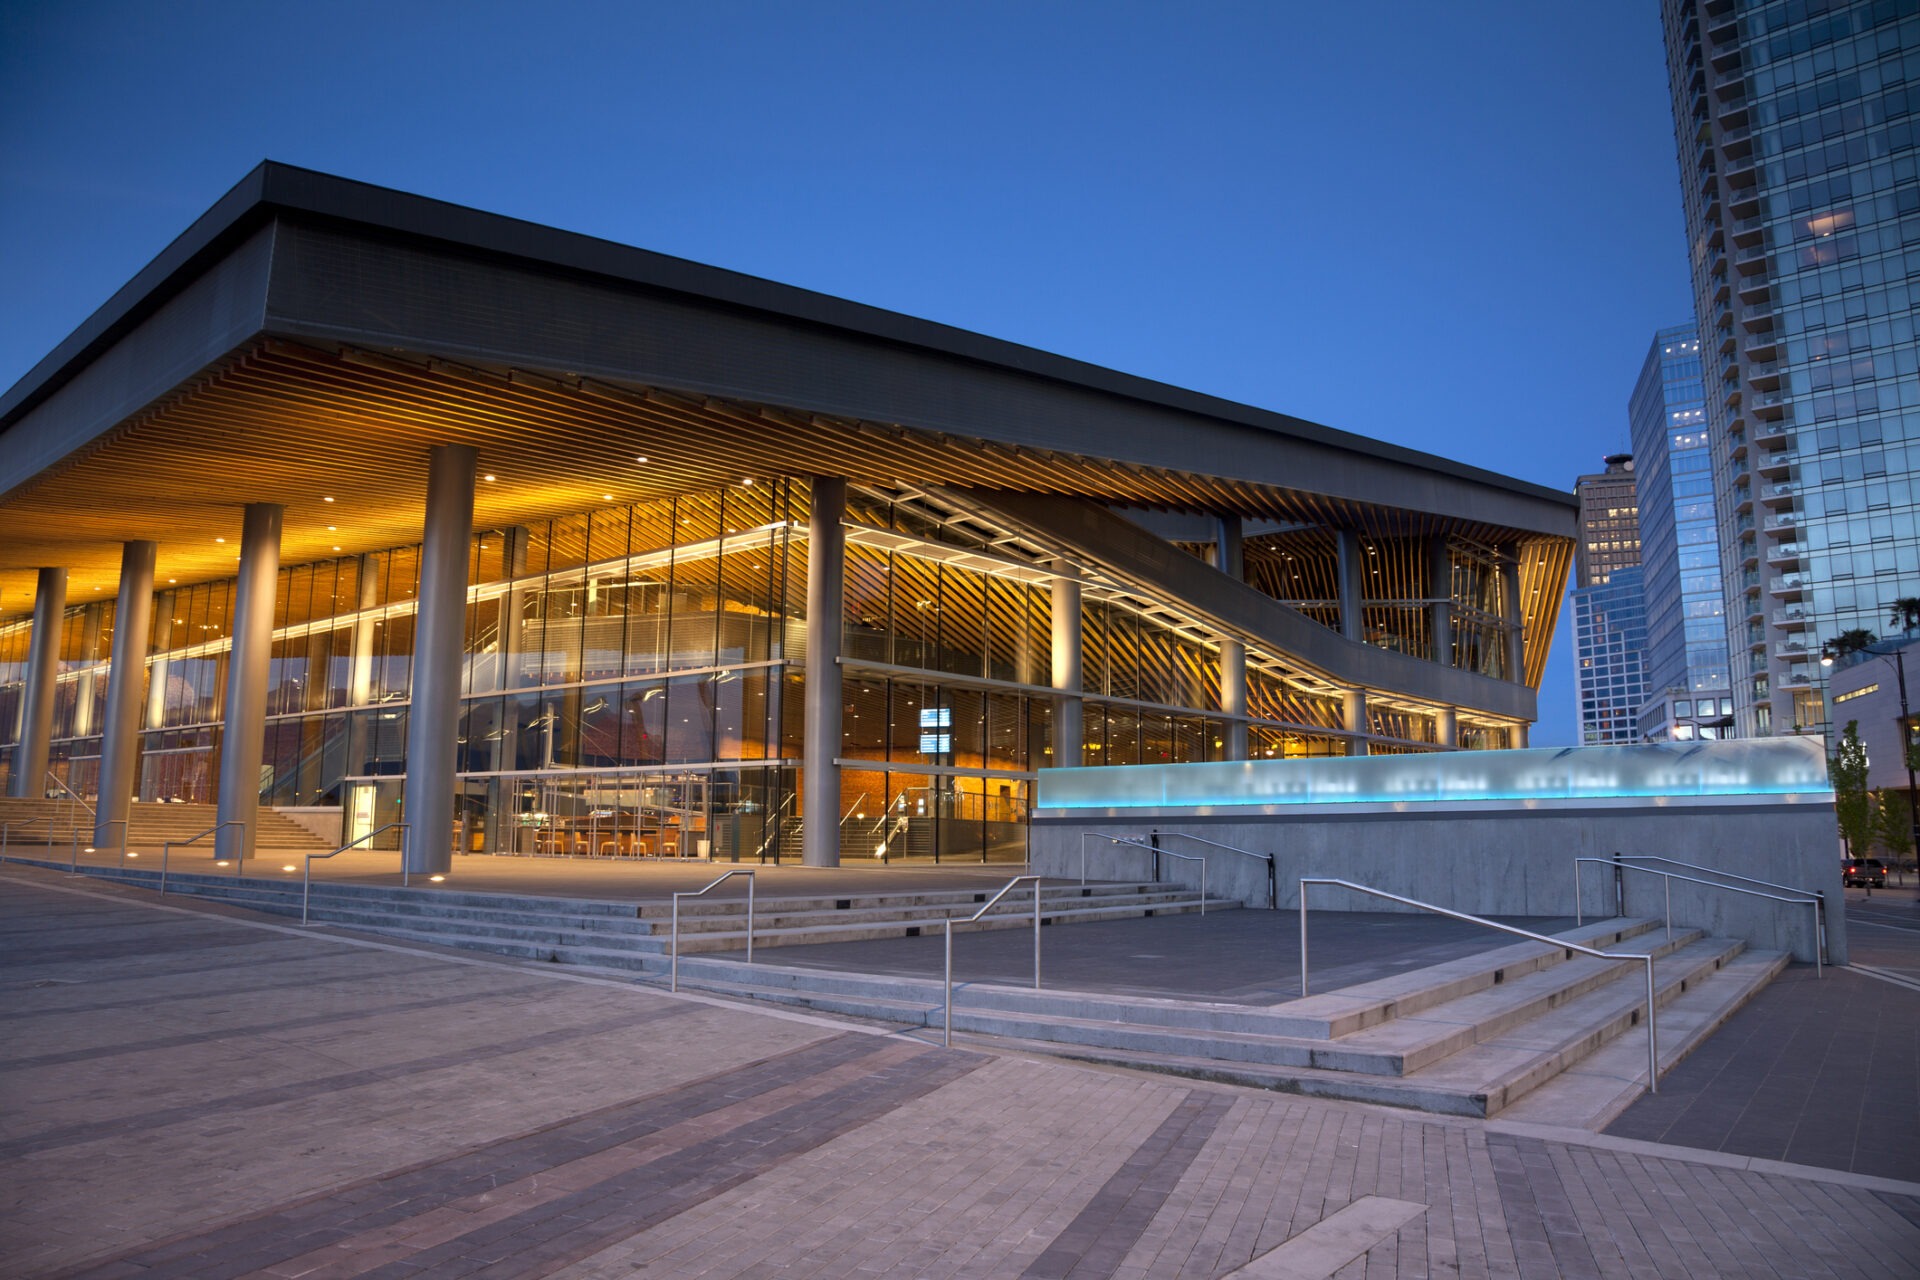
(1592, 1093)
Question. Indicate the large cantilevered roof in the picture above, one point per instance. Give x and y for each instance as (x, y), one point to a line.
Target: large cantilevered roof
(309, 337)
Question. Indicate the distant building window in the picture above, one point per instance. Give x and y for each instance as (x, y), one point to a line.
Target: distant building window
(1861, 692)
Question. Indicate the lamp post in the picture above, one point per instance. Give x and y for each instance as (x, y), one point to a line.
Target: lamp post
(1898, 654)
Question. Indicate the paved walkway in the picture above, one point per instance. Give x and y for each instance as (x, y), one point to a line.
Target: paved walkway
(1823, 1072)
(192, 1091)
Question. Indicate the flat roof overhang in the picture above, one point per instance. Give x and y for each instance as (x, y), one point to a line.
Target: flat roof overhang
(311, 337)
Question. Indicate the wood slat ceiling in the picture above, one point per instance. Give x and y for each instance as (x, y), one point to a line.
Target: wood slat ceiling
(295, 425)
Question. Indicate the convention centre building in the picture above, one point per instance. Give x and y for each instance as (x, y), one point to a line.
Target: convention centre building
(359, 505)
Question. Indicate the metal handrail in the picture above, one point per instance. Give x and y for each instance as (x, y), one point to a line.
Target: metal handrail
(946, 1025)
(770, 839)
(73, 852)
(1653, 1045)
(1816, 901)
(1694, 866)
(1273, 882)
(61, 783)
(6, 830)
(166, 846)
(306, 884)
(673, 976)
(1155, 850)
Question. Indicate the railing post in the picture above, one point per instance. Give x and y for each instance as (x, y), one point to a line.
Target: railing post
(73, 860)
(166, 847)
(1303, 939)
(1036, 933)
(1653, 1043)
(673, 953)
(1578, 919)
(1819, 931)
(1668, 882)
(1273, 884)
(946, 1019)
(1619, 888)
(749, 919)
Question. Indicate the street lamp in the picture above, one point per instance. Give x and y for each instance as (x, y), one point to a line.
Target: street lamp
(1898, 654)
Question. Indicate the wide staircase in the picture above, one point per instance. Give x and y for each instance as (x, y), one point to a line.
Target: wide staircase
(35, 824)
(634, 935)
(1527, 1030)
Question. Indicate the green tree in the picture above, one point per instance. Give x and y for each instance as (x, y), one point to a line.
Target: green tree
(1906, 613)
(1893, 826)
(1848, 643)
(1852, 806)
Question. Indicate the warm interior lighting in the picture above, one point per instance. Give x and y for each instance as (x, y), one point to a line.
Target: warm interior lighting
(641, 458)
(89, 849)
(488, 477)
(288, 867)
(222, 864)
(436, 879)
(219, 539)
(326, 499)
(131, 854)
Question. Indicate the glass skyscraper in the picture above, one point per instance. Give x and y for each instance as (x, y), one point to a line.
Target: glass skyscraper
(1802, 195)
(1609, 605)
(1687, 678)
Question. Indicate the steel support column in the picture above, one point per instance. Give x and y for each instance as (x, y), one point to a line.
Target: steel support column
(1440, 599)
(36, 699)
(1229, 557)
(243, 730)
(1067, 723)
(126, 672)
(1355, 721)
(1516, 617)
(826, 588)
(1446, 727)
(1351, 572)
(434, 721)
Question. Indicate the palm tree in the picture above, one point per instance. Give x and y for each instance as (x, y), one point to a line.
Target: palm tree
(1848, 643)
(1906, 613)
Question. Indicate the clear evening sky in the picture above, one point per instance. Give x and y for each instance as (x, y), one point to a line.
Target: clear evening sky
(1453, 226)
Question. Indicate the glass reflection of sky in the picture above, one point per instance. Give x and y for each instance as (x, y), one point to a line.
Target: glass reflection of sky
(1760, 767)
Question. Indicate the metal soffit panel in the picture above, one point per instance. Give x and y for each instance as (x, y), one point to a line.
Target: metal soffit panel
(293, 424)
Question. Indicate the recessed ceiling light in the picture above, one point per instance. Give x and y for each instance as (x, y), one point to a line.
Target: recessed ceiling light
(336, 548)
(606, 497)
(332, 527)
(326, 499)
(219, 539)
(173, 579)
(488, 477)
(641, 458)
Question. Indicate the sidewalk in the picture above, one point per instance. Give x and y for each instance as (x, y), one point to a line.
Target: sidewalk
(192, 1091)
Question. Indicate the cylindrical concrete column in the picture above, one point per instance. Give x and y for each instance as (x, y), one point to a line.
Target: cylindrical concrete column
(1355, 721)
(1446, 727)
(1233, 696)
(1516, 633)
(1351, 572)
(1517, 736)
(433, 723)
(36, 699)
(360, 666)
(126, 673)
(1440, 597)
(826, 590)
(244, 726)
(1066, 666)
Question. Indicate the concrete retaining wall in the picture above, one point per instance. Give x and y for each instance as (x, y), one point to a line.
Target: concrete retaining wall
(1512, 862)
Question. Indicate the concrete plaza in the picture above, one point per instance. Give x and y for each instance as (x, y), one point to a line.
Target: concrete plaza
(191, 1090)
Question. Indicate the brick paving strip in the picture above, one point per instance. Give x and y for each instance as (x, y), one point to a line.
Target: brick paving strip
(538, 1202)
(1104, 1232)
(306, 1090)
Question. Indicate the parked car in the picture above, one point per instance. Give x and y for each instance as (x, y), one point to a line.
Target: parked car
(1867, 873)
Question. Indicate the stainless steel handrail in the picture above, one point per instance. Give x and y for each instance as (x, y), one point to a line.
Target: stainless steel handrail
(1153, 849)
(673, 964)
(73, 852)
(166, 846)
(946, 1025)
(306, 883)
(6, 830)
(78, 799)
(1694, 866)
(1653, 1046)
(1273, 882)
(1818, 903)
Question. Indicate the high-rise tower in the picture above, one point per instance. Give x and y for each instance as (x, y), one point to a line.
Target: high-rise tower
(1688, 694)
(1801, 186)
(1609, 606)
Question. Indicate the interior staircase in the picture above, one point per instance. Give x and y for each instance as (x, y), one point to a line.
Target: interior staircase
(42, 824)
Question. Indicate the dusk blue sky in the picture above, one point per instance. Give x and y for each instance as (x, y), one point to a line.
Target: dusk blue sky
(1455, 227)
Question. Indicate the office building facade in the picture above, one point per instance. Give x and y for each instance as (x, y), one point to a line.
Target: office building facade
(1688, 693)
(1609, 605)
(358, 503)
(1801, 187)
